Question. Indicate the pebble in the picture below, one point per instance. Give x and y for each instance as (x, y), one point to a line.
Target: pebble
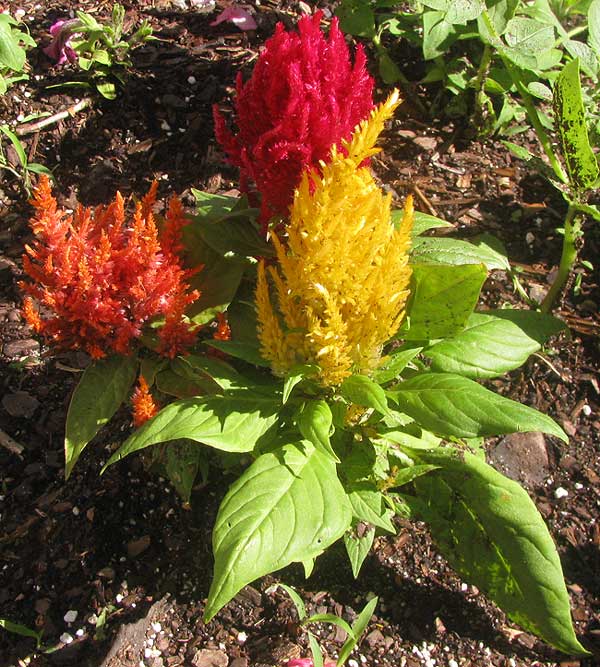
(22, 348)
(20, 404)
(210, 658)
(70, 616)
(559, 492)
(66, 638)
(587, 411)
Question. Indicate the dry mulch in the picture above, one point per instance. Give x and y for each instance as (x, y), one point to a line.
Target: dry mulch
(120, 550)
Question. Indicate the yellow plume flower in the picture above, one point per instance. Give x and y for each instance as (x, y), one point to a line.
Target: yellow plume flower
(342, 280)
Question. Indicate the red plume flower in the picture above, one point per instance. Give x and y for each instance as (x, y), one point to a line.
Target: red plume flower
(304, 96)
(97, 281)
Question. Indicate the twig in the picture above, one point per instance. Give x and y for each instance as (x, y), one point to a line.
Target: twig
(12, 445)
(28, 128)
(417, 190)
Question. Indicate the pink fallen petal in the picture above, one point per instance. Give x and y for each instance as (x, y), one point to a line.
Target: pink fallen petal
(238, 16)
(60, 48)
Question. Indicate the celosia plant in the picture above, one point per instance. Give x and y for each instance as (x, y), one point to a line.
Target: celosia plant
(98, 282)
(350, 384)
(304, 96)
(343, 279)
(362, 412)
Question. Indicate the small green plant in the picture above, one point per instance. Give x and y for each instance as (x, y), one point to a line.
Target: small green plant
(14, 40)
(101, 49)
(580, 175)
(24, 169)
(354, 632)
(494, 58)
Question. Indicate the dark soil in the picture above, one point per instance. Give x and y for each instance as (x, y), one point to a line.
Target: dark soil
(120, 550)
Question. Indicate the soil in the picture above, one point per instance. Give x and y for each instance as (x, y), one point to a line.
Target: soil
(113, 569)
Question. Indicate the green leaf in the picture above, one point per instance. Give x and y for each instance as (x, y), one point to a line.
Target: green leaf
(245, 351)
(358, 547)
(594, 26)
(12, 55)
(485, 250)
(452, 405)
(410, 473)
(442, 299)
(463, 11)
(357, 18)
(18, 629)
(358, 627)
(315, 650)
(330, 618)
(315, 422)
(218, 370)
(586, 55)
(213, 206)
(569, 111)
(234, 235)
(395, 363)
(361, 390)
(492, 534)
(296, 375)
(182, 466)
(388, 70)
(528, 37)
(183, 386)
(368, 505)
(296, 599)
(218, 281)
(288, 506)
(493, 343)
(17, 145)
(436, 34)
(499, 14)
(229, 423)
(104, 385)
(107, 89)
(422, 222)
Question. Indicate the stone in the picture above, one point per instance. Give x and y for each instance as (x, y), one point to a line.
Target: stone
(21, 348)
(137, 547)
(522, 457)
(20, 404)
(207, 657)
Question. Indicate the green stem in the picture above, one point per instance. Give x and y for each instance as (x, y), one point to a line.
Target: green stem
(530, 107)
(568, 257)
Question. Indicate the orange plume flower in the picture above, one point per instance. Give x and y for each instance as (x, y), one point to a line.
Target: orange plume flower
(98, 281)
(144, 406)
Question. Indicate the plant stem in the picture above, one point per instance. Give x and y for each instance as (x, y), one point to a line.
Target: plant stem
(568, 257)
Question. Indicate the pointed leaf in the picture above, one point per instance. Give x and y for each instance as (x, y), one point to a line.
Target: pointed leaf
(368, 505)
(491, 532)
(358, 548)
(314, 422)
(569, 111)
(105, 384)
(361, 390)
(493, 343)
(455, 251)
(452, 405)
(395, 363)
(358, 627)
(442, 299)
(287, 507)
(229, 423)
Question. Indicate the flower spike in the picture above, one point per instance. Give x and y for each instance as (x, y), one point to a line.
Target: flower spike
(342, 279)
